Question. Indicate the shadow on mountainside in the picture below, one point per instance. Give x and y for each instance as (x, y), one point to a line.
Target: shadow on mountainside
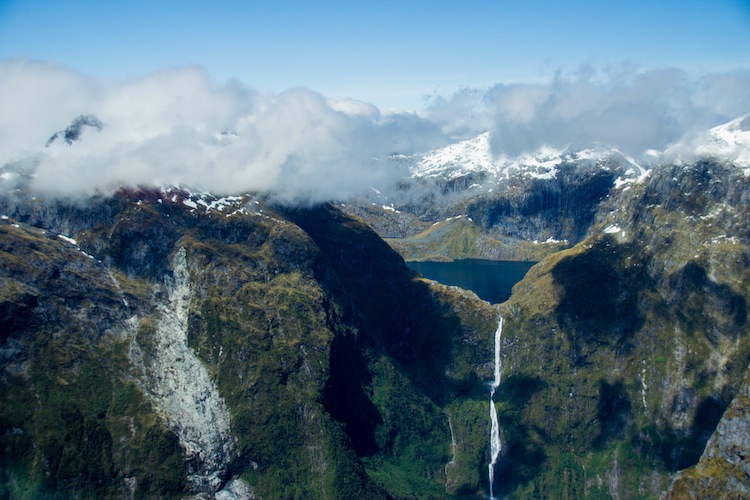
(599, 298)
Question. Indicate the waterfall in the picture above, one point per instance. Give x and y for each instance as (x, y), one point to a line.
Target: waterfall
(498, 364)
(495, 444)
(118, 287)
(452, 462)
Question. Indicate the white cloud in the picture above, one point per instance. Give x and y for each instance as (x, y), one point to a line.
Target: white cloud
(166, 127)
(622, 107)
(35, 99)
(463, 115)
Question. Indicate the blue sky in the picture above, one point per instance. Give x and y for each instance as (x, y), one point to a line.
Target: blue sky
(390, 53)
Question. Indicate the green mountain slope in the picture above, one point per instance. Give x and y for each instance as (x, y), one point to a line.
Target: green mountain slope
(622, 353)
(169, 344)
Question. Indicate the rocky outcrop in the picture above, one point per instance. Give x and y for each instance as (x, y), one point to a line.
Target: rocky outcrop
(724, 469)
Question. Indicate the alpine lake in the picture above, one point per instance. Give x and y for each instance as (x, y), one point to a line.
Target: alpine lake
(491, 280)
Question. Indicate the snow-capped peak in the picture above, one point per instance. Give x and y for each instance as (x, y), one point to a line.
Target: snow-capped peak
(474, 156)
(730, 141)
(455, 159)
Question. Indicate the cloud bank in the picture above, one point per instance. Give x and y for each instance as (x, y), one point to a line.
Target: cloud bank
(633, 111)
(177, 127)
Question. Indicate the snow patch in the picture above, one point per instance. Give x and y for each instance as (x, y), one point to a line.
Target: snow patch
(550, 241)
(619, 182)
(67, 239)
(473, 156)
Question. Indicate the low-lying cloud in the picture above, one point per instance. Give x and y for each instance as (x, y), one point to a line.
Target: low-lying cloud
(177, 127)
(633, 111)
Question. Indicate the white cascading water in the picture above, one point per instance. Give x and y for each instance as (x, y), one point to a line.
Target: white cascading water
(495, 444)
(452, 462)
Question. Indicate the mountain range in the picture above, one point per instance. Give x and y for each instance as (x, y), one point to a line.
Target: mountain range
(522, 207)
(165, 342)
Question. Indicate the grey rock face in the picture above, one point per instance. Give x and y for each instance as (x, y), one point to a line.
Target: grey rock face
(181, 389)
(72, 132)
(724, 469)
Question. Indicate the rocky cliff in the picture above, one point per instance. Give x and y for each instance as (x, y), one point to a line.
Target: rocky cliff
(723, 469)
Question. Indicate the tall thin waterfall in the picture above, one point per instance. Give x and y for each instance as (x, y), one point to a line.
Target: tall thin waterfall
(495, 444)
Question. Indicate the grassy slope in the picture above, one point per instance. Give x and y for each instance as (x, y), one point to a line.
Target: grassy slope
(460, 238)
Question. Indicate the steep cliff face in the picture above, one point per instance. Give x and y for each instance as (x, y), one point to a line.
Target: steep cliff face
(562, 207)
(723, 469)
(623, 352)
(169, 344)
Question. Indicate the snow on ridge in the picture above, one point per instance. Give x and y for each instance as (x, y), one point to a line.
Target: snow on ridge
(189, 203)
(465, 156)
(68, 239)
(72, 241)
(474, 155)
(550, 241)
(730, 141)
(727, 142)
(205, 201)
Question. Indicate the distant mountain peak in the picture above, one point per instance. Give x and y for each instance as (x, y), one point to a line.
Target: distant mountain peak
(474, 155)
(729, 141)
(452, 160)
(72, 132)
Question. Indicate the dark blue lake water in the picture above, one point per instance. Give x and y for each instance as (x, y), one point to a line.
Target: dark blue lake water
(492, 280)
